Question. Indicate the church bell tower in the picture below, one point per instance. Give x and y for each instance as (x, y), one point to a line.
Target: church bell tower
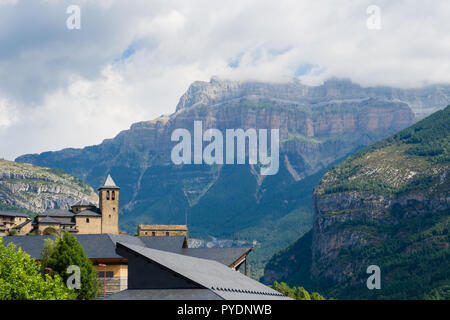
(109, 206)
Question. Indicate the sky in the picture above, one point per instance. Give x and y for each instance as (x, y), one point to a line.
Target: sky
(130, 61)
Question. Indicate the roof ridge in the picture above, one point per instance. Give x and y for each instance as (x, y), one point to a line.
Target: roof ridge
(109, 183)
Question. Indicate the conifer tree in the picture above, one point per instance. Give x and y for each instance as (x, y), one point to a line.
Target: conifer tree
(65, 251)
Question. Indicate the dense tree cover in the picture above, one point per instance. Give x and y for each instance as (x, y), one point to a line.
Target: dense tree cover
(413, 259)
(21, 279)
(66, 251)
(297, 293)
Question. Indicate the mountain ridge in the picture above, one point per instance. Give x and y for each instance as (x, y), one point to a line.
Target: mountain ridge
(423, 100)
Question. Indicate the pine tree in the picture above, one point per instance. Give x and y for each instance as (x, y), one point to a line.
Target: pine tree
(66, 251)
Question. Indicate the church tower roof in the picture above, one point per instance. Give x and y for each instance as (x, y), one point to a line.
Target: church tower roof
(109, 184)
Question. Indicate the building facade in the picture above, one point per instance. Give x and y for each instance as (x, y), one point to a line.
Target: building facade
(161, 230)
(82, 218)
(15, 223)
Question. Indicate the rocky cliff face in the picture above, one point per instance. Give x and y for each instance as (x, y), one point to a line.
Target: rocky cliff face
(388, 205)
(423, 101)
(234, 201)
(37, 189)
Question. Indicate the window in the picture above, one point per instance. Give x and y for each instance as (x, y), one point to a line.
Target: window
(109, 274)
(113, 195)
(167, 234)
(145, 233)
(153, 234)
(87, 220)
(107, 195)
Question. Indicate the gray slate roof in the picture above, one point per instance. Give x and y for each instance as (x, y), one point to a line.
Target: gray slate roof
(109, 183)
(103, 246)
(14, 214)
(96, 246)
(83, 203)
(89, 213)
(50, 220)
(171, 244)
(19, 226)
(223, 281)
(227, 256)
(56, 213)
(165, 294)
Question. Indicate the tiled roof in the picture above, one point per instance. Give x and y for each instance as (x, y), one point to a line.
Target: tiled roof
(89, 213)
(56, 213)
(14, 214)
(226, 256)
(165, 294)
(207, 274)
(83, 203)
(172, 227)
(109, 183)
(49, 220)
(171, 243)
(96, 246)
(62, 220)
(103, 246)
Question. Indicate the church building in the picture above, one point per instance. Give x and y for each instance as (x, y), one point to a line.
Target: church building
(84, 217)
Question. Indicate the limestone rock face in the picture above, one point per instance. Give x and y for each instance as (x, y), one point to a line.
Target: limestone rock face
(37, 189)
(423, 101)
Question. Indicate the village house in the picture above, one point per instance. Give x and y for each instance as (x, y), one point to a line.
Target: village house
(158, 230)
(162, 275)
(97, 230)
(82, 218)
(21, 223)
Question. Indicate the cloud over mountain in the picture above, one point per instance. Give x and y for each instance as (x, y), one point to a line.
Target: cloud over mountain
(132, 60)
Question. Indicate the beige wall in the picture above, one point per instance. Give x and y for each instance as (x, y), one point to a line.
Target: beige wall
(93, 226)
(110, 211)
(25, 229)
(161, 233)
(162, 230)
(119, 281)
(11, 221)
(120, 270)
(43, 226)
(77, 209)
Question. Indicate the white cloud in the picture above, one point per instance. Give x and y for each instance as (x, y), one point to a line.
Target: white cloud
(8, 114)
(132, 60)
(8, 2)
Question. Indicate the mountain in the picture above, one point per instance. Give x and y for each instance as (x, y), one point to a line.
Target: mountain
(423, 101)
(387, 205)
(317, 126)
(25, 187)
